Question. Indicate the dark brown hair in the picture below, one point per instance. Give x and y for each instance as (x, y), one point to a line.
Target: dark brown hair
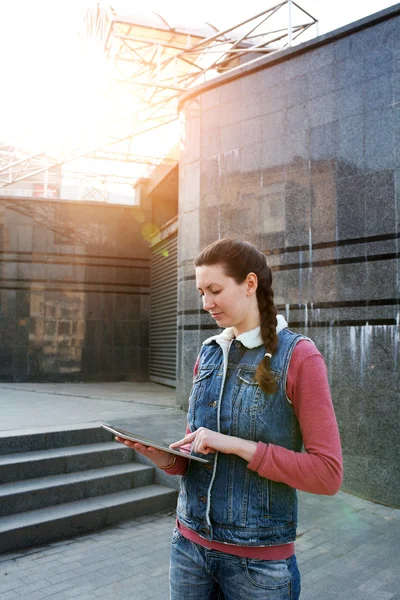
(239, 258)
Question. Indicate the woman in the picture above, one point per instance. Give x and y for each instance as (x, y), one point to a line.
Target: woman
(260, 393)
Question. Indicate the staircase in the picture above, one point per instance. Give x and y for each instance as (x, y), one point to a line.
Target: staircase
(61, 483)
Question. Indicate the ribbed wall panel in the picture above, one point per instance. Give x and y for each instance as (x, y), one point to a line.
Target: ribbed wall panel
(163, 311)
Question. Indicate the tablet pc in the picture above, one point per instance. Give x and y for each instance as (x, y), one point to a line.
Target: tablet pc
(129, 435)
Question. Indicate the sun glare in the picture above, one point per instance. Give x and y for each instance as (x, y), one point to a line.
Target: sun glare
(58, 87)
(57, 100)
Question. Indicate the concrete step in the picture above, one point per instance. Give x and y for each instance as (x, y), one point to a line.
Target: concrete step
(65, 520)
(55, 484)
(31, 442)
(32, 494)
(40, 463)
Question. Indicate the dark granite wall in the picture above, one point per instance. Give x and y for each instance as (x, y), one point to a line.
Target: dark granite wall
(74, 291)
(302, 157)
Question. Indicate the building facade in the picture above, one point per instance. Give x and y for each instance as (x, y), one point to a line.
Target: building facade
(299, 153)
(74, 291)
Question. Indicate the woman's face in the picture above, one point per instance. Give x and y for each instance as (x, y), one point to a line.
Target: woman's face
(229, 303)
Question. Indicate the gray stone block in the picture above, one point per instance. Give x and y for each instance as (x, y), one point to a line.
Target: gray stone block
(250, 132)
(297, 210)
(349, 70)
(272, 125)
(351, 99)
(233, 112)
(350, 161)
(380, 203)
(348, 275)
(379, 92)
(323, 207)
(323, 142)
(295, 67)
(383, 279)
(297, 91)
(378, 62)
(351, 207)
(322, 109)
(322, 78)
(251, 158)
(379, 148)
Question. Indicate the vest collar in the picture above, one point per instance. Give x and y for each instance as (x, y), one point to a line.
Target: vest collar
(249, 339)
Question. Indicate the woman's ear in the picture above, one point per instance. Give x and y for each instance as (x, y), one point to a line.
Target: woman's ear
(251, 284)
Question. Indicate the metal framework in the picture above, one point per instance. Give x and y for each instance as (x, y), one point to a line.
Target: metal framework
(155, 62)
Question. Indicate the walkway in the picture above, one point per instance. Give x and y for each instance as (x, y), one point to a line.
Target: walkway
(347, 547)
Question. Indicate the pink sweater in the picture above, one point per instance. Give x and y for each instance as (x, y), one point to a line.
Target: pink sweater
(318, 470)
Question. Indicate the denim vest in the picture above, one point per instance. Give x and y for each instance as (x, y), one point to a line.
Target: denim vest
(224, 501)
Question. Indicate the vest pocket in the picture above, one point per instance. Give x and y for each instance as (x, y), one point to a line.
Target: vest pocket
(202, 374)
(199, 383)
(247, 376)
(248, 390)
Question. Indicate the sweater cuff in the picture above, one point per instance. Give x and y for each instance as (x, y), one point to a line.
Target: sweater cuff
(180, 466)
(258, 456)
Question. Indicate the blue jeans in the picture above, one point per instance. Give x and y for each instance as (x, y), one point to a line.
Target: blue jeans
(201, 574)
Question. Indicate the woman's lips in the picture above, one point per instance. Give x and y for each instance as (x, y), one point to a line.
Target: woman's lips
(215, 315)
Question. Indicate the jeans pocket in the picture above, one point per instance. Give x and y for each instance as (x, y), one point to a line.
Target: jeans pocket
(176, 536)
(269, 575)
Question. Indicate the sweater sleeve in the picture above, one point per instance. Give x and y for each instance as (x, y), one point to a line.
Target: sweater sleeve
(181, 464)
(319, 469)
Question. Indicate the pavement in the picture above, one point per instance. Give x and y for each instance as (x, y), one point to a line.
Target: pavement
(347, 547)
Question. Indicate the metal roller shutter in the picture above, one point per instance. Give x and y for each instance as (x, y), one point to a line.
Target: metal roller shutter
(163, 311)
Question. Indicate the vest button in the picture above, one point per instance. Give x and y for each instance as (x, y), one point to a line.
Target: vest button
(213, 404)
(203, 498)
(238, 345)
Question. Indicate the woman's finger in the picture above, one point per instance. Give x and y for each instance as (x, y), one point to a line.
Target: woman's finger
(186, 440)
(148, 450)
(122, 440)
(141, 448)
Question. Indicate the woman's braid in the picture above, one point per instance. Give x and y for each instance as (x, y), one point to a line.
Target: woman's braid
(268, 322)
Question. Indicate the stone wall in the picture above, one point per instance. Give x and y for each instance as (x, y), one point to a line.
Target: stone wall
(300, 154)
(74, 291)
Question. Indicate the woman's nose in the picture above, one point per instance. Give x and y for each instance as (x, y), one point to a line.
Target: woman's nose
(208, 302)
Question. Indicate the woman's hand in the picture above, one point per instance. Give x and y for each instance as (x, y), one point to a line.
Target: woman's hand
(206, 441)
(160, 458)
